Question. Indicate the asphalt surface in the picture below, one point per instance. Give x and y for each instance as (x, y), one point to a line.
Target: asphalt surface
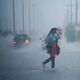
(24, 62)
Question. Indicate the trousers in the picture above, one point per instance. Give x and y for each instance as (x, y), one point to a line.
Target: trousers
(52, 59)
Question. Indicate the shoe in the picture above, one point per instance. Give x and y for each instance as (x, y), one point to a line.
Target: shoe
(43, 65)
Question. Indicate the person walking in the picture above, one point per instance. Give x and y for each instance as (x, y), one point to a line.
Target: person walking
(52, 43)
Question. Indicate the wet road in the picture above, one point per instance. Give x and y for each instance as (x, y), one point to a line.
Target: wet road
(24, 63)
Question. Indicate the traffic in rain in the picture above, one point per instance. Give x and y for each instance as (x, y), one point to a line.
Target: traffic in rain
(39, 40)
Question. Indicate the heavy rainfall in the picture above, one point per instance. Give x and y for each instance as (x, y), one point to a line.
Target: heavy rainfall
(24, 26)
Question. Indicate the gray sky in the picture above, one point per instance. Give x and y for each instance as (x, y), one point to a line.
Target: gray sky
(51, 13)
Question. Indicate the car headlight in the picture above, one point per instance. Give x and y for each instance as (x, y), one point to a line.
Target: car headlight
(27, 41)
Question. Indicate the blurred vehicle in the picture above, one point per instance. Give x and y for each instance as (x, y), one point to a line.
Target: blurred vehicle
(21, 39)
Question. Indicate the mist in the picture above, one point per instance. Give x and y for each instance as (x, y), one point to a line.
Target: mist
(32, 20)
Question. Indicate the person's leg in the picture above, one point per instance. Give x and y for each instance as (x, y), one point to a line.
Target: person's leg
(52, 62)
(45, 62)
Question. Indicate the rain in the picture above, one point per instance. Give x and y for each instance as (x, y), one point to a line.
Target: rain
(32, 20)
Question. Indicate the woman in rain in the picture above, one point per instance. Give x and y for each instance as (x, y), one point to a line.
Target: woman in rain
(52, 47)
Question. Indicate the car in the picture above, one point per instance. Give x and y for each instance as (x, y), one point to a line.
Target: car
(21, 39)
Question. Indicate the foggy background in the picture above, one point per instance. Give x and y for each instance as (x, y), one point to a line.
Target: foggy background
(34, 14)
(35, 18)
